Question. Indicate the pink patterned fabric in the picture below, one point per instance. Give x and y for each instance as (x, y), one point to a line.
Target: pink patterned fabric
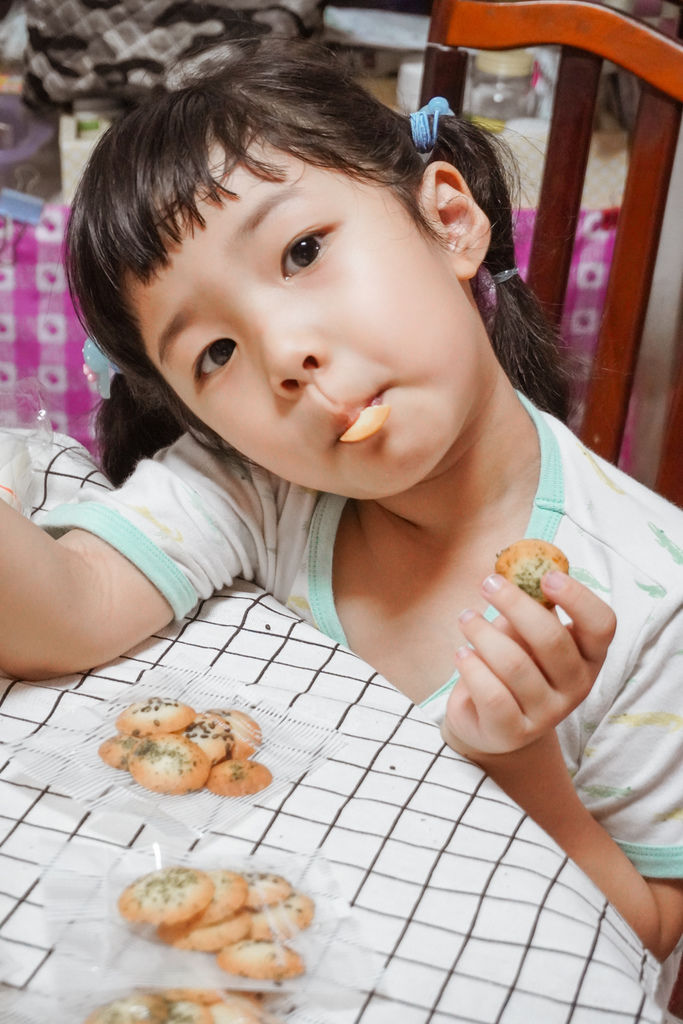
(41, 338)
(585, 298)
(587, 284)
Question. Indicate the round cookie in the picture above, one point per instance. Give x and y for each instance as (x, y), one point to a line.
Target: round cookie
(238, 778)
(229, 895)
(182, 1011)
(246, 731)
(169, 764)
(263, 961)
(147, 1009)
(213, 735)
(166, 896)
(266, 889)
(526, 562)
(207, 939)
(153, 716)
(284, 919)
(116, 750)
(235, 1009)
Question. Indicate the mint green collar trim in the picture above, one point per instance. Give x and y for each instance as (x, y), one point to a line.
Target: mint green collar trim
(655, 861)
(324, 526)
(546, 515)
(548, 507)
(547, 511)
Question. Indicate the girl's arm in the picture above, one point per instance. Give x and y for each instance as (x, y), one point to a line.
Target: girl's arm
(67, 605)
(502, 714)
(536, 777)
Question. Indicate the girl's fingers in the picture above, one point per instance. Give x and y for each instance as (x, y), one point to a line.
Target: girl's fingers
(566, 657)
(503, 625)
(593, 622)
(507, 661)
(524, 672)
(482, 711)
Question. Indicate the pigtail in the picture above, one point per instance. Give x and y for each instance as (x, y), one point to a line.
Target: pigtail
(528, 348)
(526, 344)
(143, 415)
(128, 428)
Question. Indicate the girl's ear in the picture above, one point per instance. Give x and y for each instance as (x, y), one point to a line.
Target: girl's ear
(448, 205)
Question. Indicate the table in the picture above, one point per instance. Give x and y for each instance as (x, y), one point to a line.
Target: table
(472, 910)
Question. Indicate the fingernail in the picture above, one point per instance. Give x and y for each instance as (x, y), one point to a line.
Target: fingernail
(554, 580)
(463, 652)
(492, 583)
(466, 616)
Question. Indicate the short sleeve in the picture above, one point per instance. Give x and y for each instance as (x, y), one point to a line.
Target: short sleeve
(194, 521)
(628, 774)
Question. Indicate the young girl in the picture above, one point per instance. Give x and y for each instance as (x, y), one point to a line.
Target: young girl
(266, 257)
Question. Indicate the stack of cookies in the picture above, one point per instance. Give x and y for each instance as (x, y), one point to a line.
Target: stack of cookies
(168, 747)
(244, 918)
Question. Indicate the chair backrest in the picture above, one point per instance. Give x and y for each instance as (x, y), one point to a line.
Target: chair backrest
(587, 33)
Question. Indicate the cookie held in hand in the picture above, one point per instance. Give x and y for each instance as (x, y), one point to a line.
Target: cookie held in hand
(526, 562)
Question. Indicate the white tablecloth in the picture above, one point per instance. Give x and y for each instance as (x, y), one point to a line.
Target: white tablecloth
(473, 912)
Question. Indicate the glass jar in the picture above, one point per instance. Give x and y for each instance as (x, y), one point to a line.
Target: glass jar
(501, 87)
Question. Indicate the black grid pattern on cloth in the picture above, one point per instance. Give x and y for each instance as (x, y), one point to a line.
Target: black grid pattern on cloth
(473, 911)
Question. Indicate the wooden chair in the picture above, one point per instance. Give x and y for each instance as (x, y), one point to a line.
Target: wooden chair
(587, 33)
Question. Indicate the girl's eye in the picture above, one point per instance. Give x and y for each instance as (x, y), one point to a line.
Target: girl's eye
(301, 254)
(217, 354)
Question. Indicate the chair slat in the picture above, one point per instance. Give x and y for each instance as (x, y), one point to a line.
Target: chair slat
(653, 148)
(444, 74)
(564, 171)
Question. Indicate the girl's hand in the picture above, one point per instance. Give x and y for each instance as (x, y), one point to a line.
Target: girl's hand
(525, 671)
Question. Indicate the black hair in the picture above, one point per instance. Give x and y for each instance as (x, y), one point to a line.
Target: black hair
(144, 183)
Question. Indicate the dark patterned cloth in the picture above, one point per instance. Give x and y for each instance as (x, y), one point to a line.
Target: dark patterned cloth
(122, 48)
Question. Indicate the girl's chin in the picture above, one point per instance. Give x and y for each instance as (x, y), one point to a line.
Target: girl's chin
(383, 486)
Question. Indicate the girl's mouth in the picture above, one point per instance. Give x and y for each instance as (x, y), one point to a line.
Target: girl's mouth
(369, 421)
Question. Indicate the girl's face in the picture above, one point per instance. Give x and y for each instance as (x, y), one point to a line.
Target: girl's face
(304, 300)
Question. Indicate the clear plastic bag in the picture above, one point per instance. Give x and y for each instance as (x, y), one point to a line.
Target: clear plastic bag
(151, 1005)
(24, 430)
(66, 751)
(85, 894)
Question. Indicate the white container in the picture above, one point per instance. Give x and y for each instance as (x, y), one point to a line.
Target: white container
(501, 86)
(409, 83)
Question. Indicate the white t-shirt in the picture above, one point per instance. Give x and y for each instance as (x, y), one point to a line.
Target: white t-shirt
(193, 522)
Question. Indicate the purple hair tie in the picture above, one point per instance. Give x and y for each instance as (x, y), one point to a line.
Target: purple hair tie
(484, 291)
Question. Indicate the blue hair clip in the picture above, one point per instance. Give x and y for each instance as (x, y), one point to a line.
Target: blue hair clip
(424, 124)
(97, 368)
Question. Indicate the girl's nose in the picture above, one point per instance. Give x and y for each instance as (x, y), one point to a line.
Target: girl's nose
(293, 384)
(292, 368)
